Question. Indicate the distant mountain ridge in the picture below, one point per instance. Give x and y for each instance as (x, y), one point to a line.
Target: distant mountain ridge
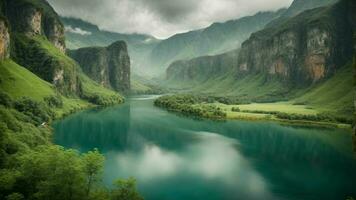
(215, 39)
(151, 56)
(80, 34)
(95, 36)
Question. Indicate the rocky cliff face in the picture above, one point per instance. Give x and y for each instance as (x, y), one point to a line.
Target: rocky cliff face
(4, 40)
(296, 53)
(303, 50)
(202, 68)
(109, 66)
(36, 18)
(37, 41)
(215, 39)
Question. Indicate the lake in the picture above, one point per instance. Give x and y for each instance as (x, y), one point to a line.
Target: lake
(178, 158)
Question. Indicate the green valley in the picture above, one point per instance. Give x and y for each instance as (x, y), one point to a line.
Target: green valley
(133, 100)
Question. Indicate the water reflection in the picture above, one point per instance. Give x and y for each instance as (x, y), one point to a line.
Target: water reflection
(178, 158)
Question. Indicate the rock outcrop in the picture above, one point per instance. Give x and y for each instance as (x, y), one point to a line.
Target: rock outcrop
(215, 39)
(202, 68)
(302, 50)
(109, 66)
(297, 52)
(4, 40)
(36, 18)
(37, 43)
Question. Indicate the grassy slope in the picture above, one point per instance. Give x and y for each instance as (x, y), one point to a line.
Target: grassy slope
(334, 95)
(18, 82)
(90, 87)
(251, 86)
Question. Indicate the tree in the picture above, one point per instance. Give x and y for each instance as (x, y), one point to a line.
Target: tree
(125, 190)
(93, 167)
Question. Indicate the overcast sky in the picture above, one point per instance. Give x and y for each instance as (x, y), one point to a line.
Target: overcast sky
(161, 18)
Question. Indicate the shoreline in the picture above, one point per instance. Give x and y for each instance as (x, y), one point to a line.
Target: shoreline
(304, 123)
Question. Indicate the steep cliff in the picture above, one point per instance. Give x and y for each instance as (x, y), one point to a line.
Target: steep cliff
(80, 34)
(37, 43)
(202, 68)
(108, 66)
(215, 39)
(304, 49)
(4, 39)
(306, 54)
(36, 18)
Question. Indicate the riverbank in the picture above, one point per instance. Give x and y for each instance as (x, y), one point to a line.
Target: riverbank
(281, 112)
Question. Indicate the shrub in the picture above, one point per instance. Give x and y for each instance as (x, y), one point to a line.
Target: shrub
(37, 111)
(235, 109)
(54, 101)
(5, 100)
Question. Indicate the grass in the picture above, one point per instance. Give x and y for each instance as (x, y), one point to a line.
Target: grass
(285, 107)
(139, 87)
(335, 95)
(90, 87)
(249, 112)
(248, 87)
(19, 82)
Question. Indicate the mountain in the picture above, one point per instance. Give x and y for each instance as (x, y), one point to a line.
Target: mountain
(81, 34)
(202, 68)
(317, 41)
(294, 57)
(299, 6)
(108, 66)
(222, 37)
(37, 43)
(215, 39)
(150, 57)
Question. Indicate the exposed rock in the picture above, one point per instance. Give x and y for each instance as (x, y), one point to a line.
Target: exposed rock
(54, 31)
(26, 19)
(4, 40)
(35, 26)
(303, 50)
(36, 18)
(298, 52)
(202, 68)
(108, 66)
(215, 39)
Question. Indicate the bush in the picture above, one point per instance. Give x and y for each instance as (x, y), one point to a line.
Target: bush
(235, 109)
(54, 101)
(189, 105)
(5, 100)
(37, 111)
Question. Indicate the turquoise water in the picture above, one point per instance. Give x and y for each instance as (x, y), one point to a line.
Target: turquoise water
(178, 158)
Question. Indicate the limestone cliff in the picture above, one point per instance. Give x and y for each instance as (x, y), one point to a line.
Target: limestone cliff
(202, 68)
(296, 53)
(4, 40)
(37, 43)
(109, 66)
(304, 49)
(36, 18)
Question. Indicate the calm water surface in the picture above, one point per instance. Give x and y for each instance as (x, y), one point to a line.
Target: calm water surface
(177, 158)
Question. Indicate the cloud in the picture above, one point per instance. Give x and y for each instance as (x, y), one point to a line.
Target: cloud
(76, 30)
(161, 18)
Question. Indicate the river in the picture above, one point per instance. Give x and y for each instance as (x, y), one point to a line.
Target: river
(178, 158)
